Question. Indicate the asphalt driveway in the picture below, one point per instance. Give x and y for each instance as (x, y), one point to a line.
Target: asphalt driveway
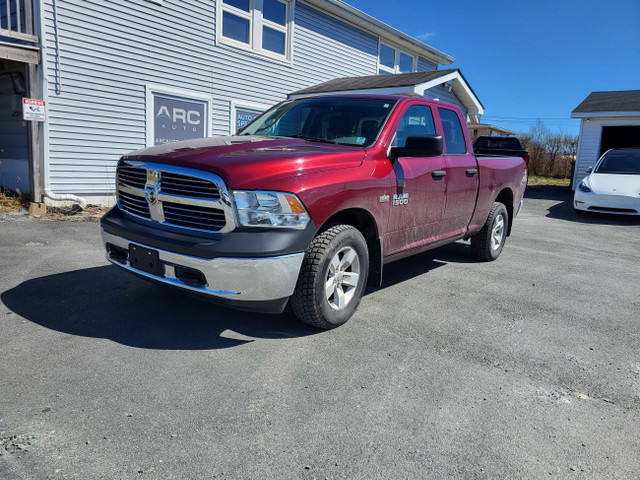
(527, 367)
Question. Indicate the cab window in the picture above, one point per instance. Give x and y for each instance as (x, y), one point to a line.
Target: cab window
(417, 120)
(453, 136)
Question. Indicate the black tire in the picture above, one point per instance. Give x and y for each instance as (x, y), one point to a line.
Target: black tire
(312, 302)
(487, 244)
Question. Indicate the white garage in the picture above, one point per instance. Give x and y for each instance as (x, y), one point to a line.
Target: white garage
(608, 120)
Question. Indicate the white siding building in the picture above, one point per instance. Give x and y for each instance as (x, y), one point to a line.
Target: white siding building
(607, 120)
(120, 75)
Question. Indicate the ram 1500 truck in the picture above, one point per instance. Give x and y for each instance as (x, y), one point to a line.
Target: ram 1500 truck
(308, 202)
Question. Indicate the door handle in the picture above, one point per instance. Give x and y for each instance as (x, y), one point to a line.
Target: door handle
(438, 174)
(471, 172)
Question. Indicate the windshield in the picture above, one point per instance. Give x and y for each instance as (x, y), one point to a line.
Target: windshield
(346, 121)
(620, 162)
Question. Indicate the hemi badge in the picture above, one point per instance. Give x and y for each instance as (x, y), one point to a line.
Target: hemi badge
(383, 198)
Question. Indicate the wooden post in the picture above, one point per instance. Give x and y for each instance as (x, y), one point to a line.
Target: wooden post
(35, 142)
(34, 129)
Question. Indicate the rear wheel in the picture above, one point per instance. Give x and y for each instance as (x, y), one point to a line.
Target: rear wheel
(487, 243)
(332, 278)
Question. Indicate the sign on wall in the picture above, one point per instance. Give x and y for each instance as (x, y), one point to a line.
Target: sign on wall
(176, 118)
(242, 113)
(33, 110)
(244, 116)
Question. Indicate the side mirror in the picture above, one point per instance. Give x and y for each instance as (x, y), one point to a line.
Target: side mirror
(419, 146)
(589, 170)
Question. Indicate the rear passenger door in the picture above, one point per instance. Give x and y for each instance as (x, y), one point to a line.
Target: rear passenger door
(462, 173)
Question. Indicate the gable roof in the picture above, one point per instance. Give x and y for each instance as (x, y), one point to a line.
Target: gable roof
(385, 32)
(374, 81)
(609, 104)
(415, 83)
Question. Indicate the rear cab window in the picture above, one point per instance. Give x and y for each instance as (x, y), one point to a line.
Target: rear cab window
(509, 143)
(453, 134)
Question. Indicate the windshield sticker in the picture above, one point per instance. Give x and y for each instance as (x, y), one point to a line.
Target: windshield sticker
(360, 140)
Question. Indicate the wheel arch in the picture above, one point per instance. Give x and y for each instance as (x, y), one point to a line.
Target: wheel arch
(364, 222)
(506, 198)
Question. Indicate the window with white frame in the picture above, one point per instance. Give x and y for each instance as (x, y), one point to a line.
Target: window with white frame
(259, 25)
(392, 60)
(243, 113)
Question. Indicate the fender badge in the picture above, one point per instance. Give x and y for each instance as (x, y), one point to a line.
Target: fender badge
(401, 199)
(383, 198)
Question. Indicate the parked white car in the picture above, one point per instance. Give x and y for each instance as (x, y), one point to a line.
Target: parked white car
(613, 186)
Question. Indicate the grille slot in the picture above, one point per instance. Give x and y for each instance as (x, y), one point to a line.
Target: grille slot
(134, 205)
(132, 177)
(192, 216)
(184, 185)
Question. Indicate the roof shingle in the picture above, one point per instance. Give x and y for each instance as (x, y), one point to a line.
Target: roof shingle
(621, 101)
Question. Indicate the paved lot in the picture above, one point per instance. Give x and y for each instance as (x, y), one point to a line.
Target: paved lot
(527, 367)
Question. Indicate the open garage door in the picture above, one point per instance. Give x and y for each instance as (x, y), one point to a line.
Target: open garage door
(620, 137)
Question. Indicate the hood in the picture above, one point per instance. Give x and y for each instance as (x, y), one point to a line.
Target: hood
(611, 184)
(250, 162)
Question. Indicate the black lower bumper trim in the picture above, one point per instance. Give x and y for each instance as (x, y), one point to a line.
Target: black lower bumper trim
(238, 243)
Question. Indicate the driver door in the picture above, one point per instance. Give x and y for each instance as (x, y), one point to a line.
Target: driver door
(418, 202)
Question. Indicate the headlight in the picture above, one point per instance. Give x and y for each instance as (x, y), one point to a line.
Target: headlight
(583, 187)
(270, 209)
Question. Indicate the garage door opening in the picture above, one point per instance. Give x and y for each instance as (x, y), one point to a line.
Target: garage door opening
(619, 137)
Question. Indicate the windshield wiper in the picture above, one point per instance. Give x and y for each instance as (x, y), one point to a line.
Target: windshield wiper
(310, 139)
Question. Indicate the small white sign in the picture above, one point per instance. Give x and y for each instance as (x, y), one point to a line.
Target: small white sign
(33, 110)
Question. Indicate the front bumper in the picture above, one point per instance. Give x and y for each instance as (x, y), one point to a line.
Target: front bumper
(616, 204)
(257, 284)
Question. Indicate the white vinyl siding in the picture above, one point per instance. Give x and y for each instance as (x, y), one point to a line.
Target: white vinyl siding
(110, 51)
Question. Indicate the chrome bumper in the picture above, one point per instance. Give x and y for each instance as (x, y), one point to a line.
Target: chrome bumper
(241, 279)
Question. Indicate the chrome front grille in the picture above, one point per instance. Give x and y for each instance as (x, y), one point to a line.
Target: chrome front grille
(177, 184)
(174, 196)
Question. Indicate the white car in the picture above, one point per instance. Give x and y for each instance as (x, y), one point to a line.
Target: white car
(613, 186)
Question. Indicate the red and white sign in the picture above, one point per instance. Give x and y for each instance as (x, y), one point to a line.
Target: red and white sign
(33, 110)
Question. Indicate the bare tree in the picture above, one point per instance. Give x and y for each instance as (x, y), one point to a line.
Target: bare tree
(550, 154)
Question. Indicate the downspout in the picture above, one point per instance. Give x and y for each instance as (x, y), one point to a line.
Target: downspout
(65, 197)
(48, 193)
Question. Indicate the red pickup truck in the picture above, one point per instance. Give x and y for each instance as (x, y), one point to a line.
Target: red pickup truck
(308, 202)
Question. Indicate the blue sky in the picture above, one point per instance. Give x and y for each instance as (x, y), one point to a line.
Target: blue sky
(527, 60)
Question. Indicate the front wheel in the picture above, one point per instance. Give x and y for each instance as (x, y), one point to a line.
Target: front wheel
(332, 278)
(487, 243)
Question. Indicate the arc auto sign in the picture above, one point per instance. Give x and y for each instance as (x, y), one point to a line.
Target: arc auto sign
(177, 118)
